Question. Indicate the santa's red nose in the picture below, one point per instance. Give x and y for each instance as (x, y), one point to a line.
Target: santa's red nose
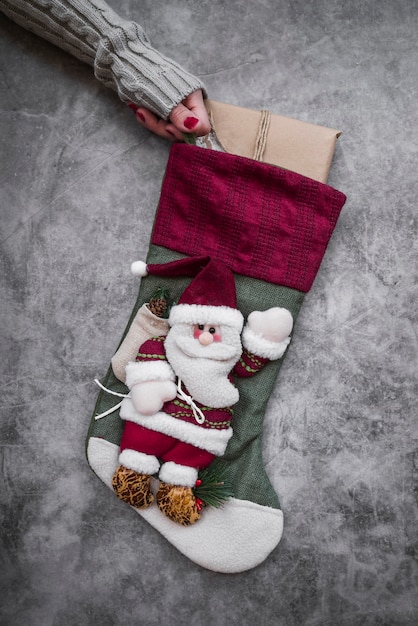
(206, 338)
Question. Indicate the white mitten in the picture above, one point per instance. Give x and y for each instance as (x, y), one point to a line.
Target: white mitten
(148, 397)
(275, 324)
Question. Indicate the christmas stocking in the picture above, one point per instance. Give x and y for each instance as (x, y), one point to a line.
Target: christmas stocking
(236, 244)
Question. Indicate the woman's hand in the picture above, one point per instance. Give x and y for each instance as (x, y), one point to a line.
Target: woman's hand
(190, 116)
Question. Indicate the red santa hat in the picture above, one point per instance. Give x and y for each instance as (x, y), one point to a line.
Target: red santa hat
(210, 298)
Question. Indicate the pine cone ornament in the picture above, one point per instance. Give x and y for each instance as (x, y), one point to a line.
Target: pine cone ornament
(132, 487)
(159, 304)
(178, 504)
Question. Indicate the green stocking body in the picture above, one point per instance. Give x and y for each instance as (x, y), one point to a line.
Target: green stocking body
(240, 534)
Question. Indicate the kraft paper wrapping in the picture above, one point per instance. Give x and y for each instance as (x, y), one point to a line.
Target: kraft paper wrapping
(299, 146)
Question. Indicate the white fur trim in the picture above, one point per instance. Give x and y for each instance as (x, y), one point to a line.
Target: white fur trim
(232, 539)
(139, 462)
(258, 345)
(175, 474)
(209, 439)
(144, 371)
(203, 314)
(139, 268)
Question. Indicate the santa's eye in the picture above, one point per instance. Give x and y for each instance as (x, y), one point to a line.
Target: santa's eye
(201, 326)
(212, 330)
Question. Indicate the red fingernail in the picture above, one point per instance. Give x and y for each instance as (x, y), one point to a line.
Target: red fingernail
(132, 106)
(141, 117)
(190, 122)
(169, 132)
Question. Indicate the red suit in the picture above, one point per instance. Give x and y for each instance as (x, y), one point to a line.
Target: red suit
(184, 433)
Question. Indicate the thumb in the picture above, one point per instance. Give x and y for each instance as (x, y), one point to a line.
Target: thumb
(190, 116)
(184, 120)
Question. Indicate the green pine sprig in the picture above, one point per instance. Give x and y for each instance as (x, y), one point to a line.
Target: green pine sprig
(189, 138)
(212, 487)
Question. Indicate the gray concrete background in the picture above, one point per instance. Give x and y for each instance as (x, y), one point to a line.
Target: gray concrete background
(79, 186)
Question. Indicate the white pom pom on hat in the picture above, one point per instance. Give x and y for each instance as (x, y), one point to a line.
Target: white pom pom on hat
(139, 268)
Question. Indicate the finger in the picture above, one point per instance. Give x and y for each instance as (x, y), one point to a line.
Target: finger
(156, 125)
(172, 130)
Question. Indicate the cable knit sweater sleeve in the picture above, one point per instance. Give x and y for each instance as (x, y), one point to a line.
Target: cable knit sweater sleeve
(118, 50)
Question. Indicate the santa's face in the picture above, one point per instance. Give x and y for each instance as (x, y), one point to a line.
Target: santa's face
(203, 355)
(206, 333)
(205, 341)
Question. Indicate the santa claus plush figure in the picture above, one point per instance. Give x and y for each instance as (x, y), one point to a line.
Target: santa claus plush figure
(179, 410)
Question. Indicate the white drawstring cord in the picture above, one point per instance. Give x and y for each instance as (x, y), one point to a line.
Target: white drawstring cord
(197, 413)
(113, 393)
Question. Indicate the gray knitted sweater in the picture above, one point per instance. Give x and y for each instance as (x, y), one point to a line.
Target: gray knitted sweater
(119, 50)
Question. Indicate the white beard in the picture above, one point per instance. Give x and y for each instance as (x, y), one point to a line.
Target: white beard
(204, 369)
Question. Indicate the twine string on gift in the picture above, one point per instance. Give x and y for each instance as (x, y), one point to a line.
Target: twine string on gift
(261, 139)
